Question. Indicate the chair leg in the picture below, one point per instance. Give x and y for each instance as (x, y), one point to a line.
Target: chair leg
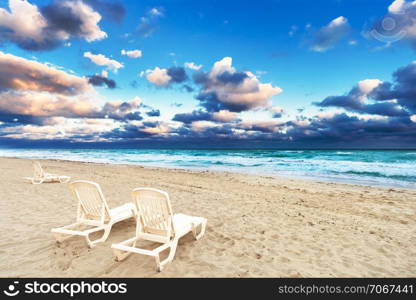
(106, 233)
(172, 251)
(122, 255)
(196, 235)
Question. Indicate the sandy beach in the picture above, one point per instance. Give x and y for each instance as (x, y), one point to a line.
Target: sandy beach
(258, 226)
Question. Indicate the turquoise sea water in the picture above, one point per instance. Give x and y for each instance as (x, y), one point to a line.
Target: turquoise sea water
(382, 167)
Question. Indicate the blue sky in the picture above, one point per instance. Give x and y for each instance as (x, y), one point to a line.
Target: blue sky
(288, 73)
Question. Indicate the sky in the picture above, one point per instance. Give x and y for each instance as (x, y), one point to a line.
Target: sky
(182, 73)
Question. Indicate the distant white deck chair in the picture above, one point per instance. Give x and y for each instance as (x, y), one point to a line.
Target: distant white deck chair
(40, 176)
(93, 211)
(157, 223)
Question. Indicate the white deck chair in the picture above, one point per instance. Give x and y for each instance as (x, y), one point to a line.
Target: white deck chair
(157, 223)
(93, 211)
(40, 176)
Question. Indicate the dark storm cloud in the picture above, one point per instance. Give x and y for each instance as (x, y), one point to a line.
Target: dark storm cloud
(196, 115)
(125, 111)
(403, 88)
(277, 115)
(19, 119)
(200, 77)
(350, 101)
(333, 131)
(62, 18)
(131, 116)
(211, 102)
(339, 130)
(342, 128)
(153, 113)
(391, 99)
(235, 78)
(112, 10)
(353, 103)
(130, 131)
(226, 77)
(126, 132)
(177, 74)
(98, 80)
(27, 43)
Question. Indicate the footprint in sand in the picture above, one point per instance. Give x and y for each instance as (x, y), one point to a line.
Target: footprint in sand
(219, 252)
(63, 259)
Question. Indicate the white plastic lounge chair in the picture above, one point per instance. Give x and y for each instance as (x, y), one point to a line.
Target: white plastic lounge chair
(157, 223)
(40, 176)
(93, 211)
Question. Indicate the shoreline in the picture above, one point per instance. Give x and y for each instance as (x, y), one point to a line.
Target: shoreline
(258, 226)
(319, 179)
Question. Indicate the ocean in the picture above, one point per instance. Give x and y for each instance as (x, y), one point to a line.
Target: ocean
(389, 168)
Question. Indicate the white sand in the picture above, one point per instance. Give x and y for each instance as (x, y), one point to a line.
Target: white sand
(257, 226)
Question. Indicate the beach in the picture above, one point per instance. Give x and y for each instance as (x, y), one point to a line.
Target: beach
(258, 226)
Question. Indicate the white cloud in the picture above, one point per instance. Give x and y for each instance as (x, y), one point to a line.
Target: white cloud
(192, 66)
(136, 101)
(41, 104)
(397, 6)
(119, 109)
(18, 73)
(89, 19)
(225, 116)
(60, 127)
(24, 19)
(156, 12)
(276, 111)
(368, 85)
(132, 53)
(158, 76)
(326, 37)
(101, 60)
(200, 126)
(33, 29)
(247, 94)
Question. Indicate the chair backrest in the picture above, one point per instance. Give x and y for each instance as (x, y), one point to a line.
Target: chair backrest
(91, 202)
(37, 170)
(154, 211)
